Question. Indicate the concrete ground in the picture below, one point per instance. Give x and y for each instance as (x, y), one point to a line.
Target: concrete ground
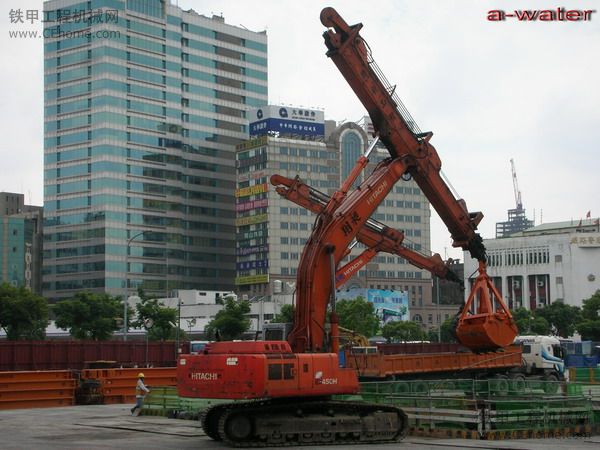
(112, 427)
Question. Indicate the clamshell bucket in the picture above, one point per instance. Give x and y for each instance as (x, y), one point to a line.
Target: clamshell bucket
(485, 322)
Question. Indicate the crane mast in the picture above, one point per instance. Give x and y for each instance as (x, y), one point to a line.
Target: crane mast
(518, 201)
(485, 321)
(398, 130)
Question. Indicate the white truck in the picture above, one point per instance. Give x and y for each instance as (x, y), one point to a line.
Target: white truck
(543, 356)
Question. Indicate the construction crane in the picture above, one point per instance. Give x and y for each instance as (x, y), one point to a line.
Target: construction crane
(517, 220)
(518, 201)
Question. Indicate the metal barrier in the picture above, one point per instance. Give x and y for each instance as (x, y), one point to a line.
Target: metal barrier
(164, 401)
(497, 408)
(118, 385)
(585, 374)
(542, 413)
(37, 389)
(434, 413)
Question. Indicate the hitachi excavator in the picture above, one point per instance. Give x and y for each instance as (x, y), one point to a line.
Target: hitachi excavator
(284, 389)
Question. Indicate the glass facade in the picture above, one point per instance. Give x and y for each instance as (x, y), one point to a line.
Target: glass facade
(272, 231)
(144, 105)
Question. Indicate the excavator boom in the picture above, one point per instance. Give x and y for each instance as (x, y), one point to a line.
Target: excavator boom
(485, 322)
(375, 236)
(398, 130)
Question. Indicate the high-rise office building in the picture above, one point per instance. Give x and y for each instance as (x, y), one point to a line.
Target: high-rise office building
(144, 105)
(272, 231)
(20, 242)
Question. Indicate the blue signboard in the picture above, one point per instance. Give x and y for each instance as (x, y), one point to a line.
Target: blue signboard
(388, 305)
(286, 120)
(249, 265)
(285, 126)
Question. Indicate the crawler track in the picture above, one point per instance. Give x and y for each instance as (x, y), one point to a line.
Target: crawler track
(292, 423)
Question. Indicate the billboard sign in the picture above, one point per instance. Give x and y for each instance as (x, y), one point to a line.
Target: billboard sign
(388, 305)
(286, 120)
(250, 265)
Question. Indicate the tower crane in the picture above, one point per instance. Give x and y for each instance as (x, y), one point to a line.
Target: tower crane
(518, 201)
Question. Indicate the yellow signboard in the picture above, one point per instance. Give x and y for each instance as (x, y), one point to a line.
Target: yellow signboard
(258, 218)
(252, 190)
(252, 279)
(252, 143)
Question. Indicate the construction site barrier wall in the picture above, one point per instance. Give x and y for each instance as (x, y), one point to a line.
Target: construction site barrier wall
(66, 387)
(118, 385)
(467, 409)
(488, 409)
(585, 374)
(37, 389)
(62, 355)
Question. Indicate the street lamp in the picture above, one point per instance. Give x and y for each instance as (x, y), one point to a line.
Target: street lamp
(126, 302)
(177, 349)
(148, 323)
(191, 323)
(439, 315)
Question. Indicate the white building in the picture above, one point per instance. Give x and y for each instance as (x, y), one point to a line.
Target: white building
(198, 308)
(544, 264)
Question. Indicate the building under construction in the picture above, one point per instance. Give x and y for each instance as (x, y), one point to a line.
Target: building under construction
(517, 220)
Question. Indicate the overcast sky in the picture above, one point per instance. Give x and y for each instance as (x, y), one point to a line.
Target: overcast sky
(489, 91)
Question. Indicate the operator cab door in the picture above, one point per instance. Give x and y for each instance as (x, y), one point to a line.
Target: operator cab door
(282, 375)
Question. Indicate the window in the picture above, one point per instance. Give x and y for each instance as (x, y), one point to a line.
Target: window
(275, 371)
(281, 371)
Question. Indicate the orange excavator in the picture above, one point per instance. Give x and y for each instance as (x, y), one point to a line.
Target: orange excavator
(284, 389)
(485, 323)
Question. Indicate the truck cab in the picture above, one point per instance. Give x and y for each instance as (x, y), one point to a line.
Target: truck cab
(542, 355)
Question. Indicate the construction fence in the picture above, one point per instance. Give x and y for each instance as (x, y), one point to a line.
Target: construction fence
(52, 388)
(77, 355)
(485, 409)
(455, 408)
(493, 409)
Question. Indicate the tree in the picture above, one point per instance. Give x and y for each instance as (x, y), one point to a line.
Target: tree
(358, 315)
(286, 315)
(163, 319)
(591, 307)
(403, 331)
(231, 322)
(89, 316)
(447, 332)
(23, 315)
(561, 317)
(589, 327)
(527, 323)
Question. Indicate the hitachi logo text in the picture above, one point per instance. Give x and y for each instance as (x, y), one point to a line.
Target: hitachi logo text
(377, 192)
(204, 376)
(353, 267)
